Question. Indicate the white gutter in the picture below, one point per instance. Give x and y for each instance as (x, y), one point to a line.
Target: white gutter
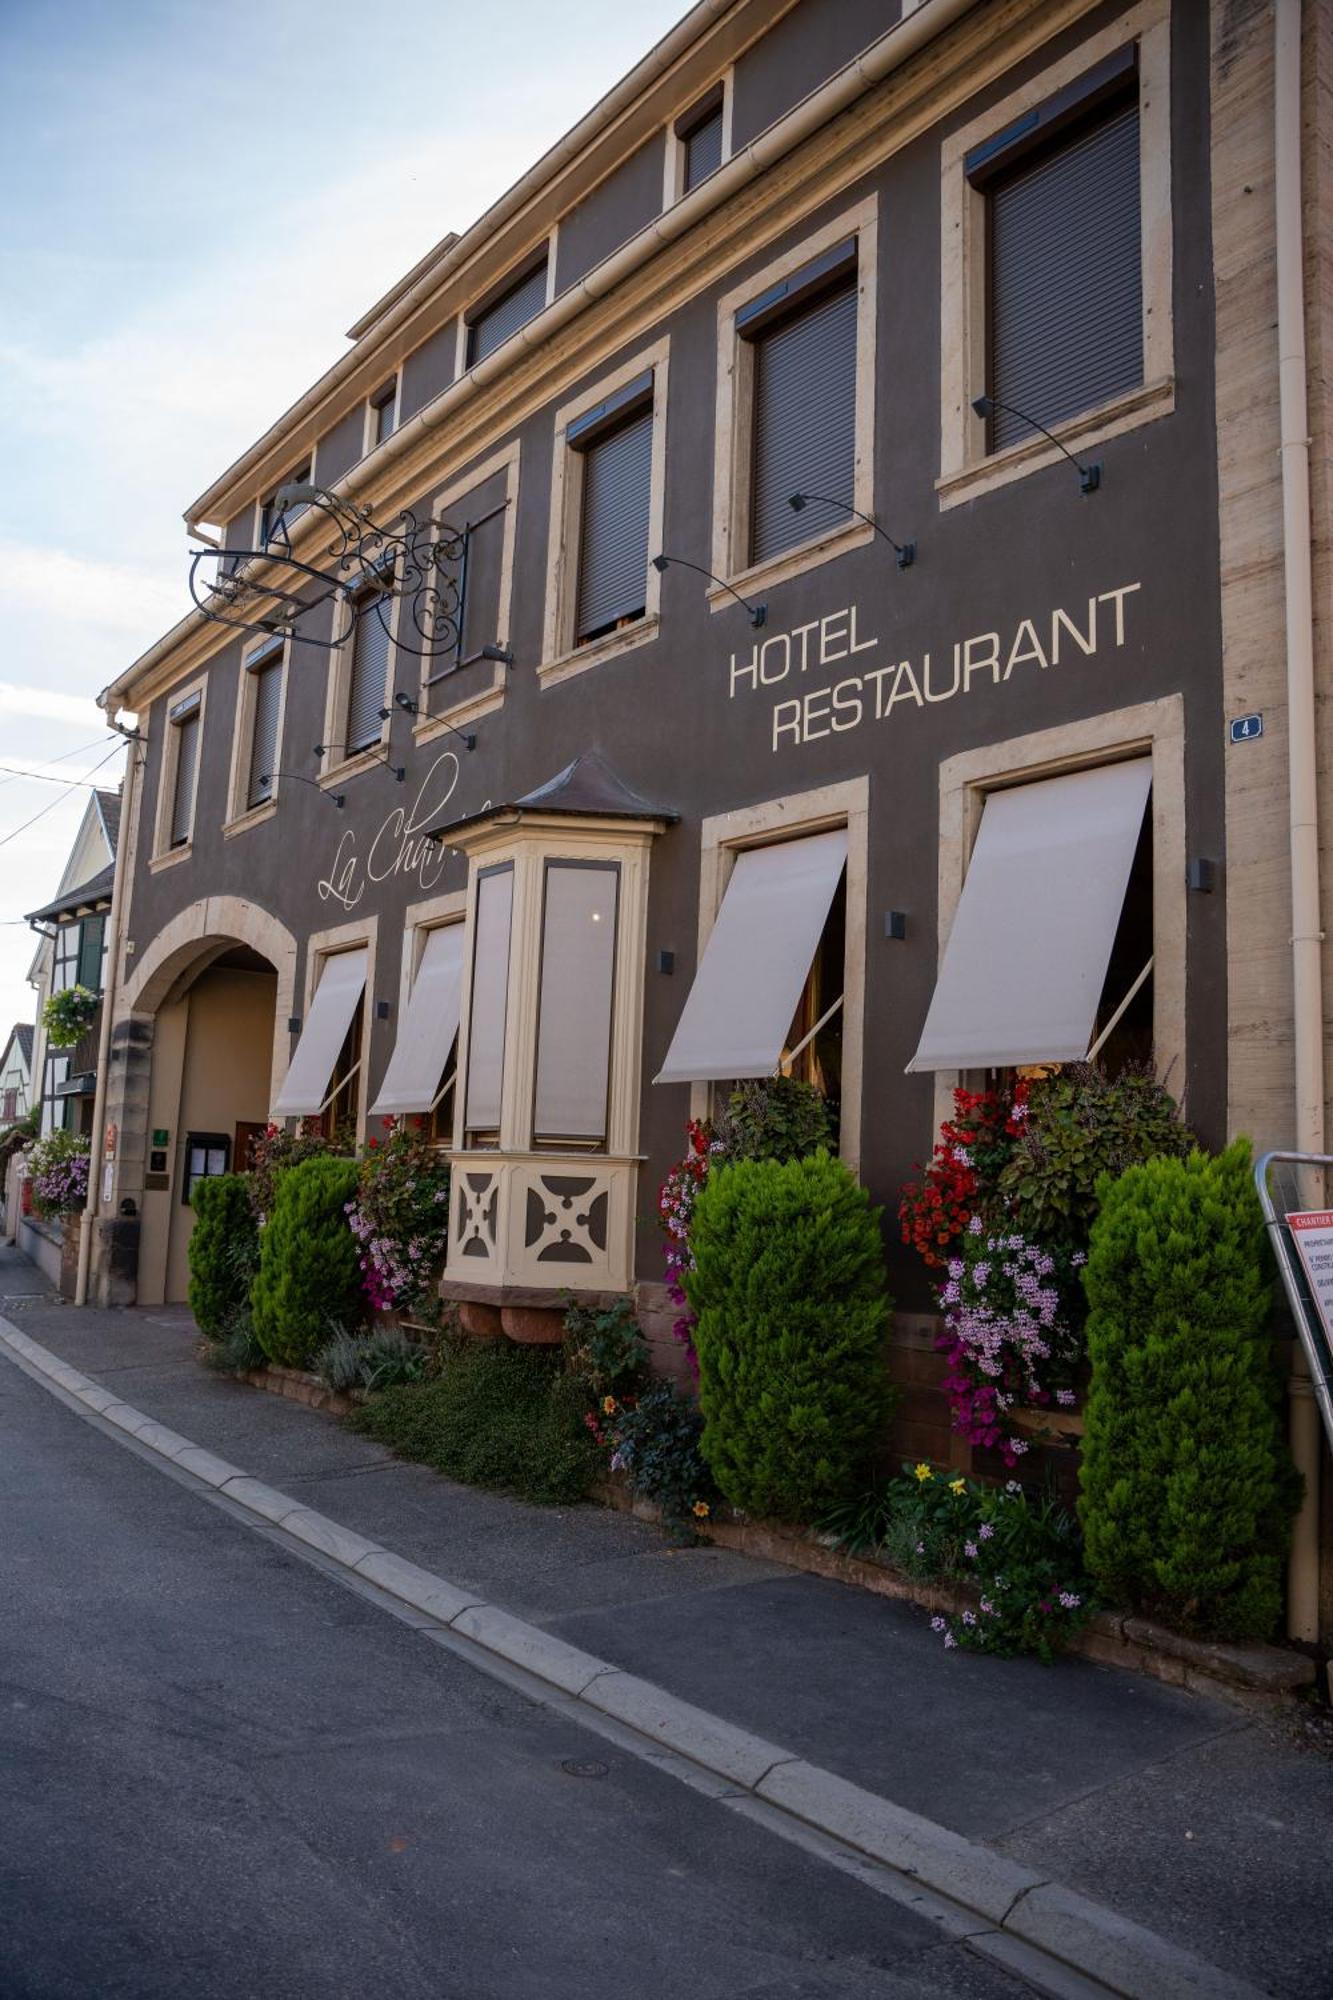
(1307, 936)
(92, 1207)
(890, 52)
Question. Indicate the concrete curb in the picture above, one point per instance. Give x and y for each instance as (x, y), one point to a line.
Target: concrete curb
(1021, 1905)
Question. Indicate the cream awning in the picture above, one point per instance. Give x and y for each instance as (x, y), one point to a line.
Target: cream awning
(332, 1012)
(1026, 960)
(429, 1027)
(756, 960)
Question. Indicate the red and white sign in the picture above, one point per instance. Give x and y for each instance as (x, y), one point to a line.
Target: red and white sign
(1312, 1233)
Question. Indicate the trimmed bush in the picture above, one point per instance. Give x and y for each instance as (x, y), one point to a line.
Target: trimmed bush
(223, 1249)
(789, 1290)
(309, 1267)
(497, 1415)
(1188, 1491)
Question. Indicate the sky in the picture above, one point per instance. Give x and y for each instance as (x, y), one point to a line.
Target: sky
(200, 200)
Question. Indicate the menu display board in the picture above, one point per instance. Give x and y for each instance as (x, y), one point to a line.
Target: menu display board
(1312, 1234)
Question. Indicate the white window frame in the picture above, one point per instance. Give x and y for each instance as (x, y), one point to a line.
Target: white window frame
(487, 699)
(727, 835)
(388, 392)
(1155, 729)
(561, 657)
(336, 766)
(673, 179)
(322, 945)
(164, 855)
(967, 469)
(240, 815)
(419, 920)
(733, 433)
(509, 279)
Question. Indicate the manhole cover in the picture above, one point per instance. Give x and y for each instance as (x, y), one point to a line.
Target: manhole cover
(579, 1767)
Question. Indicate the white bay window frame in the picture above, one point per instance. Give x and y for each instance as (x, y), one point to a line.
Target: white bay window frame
(530, 1219)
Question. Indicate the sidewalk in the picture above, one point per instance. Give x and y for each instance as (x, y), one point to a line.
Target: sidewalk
(1183, 1813)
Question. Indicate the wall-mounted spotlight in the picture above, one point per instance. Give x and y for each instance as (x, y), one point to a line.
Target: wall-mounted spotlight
(905, 551)
(501, 654)
(758, 613)
(404, 701)
(1089, 476)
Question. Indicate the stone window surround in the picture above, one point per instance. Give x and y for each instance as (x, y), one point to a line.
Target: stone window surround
(489, 699)
(240, 816)
(164, 855)
(1155, 728)
(673, 174)
(725, 835)
(374, 403)
(335, 766)
(321, 945)
(966, 469)
(419, 920)
(561, 657)
(733, 427)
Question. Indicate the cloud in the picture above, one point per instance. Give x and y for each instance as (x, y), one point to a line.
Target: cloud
(76, 710)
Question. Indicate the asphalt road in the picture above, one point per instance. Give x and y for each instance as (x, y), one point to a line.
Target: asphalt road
(224, 1774)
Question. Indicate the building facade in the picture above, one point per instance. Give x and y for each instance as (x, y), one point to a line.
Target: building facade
(864, 541)
(16, 1074)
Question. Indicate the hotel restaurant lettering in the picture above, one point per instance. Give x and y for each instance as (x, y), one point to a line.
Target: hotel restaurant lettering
(771, 593)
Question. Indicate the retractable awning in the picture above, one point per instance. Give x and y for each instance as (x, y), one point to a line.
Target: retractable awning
(332, 1012)
(756, 960)
(429, 1027)
(1026, 959)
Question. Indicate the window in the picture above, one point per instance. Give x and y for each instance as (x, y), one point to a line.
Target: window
(207, 1154)
(488, 326)
(795, 411)
(463, 677)
(574, 1006)
(270, 520)
(420, 1072)
(265, 693)
(368, 674)
(92, 932)
(1052, 863)
(1064, 293)
(328, 1055)
(616, 444)
(10, 1112)
(700, 136)
(382, 415)
(65, 958)
(603, 593)
(490, 998)
(1056, 259)
(804, 403)
(183, 761)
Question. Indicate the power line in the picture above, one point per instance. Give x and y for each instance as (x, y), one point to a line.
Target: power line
(82, 751)
(47, 778)
(14, 832)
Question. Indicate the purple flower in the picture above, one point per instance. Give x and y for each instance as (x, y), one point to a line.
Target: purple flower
(986, 1530)
(970, 1551)
(969, 1618)
(949, 1640)
(937, 1623)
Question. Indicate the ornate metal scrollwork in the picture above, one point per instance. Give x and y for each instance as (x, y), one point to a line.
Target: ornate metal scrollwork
(367, 569)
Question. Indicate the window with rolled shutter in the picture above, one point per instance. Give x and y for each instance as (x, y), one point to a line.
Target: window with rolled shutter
(187, 764)
(613, 534)
(267, 694)
(804, 419)
(1065, 275)
(703, 148)
(368, 676)
(507, 314)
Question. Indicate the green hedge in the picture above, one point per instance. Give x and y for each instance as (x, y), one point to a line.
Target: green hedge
(792, 1308)
(309, 1278)
(1188, 1491)
(497, 1415)
(222, 1252)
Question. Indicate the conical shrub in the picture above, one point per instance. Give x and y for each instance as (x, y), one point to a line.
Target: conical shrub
(1187, 1487)
(792, 1308)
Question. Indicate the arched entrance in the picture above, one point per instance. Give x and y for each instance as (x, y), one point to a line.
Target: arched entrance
(202, 1025)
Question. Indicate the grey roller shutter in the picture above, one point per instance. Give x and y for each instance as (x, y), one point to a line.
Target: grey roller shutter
(613, 540)
(1066, 287)
(187, 763)
(804, 423)
(370, 667)
(264, 741)
(703, 149)
(507, 315)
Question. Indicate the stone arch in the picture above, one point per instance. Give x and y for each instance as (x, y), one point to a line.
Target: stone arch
(192, 934)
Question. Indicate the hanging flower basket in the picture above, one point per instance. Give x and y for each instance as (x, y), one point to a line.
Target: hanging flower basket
(66, 1015)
